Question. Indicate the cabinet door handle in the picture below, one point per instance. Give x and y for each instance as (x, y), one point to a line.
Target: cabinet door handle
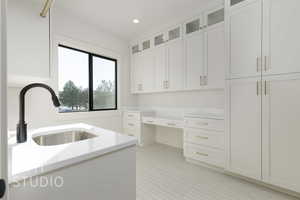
(258, 64)
(150, 121)
(131, 135)
(202, 154)
(266, 63)
(202, 123)
(171, 124)
(130, 124)
(205, 80)
(202, 137)
(200, 80)
(164, 84)
(267, 88)
(258, 88)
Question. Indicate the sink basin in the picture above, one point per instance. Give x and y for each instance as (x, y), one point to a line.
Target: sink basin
(62, 138)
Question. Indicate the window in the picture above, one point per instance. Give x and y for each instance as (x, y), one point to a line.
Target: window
(87, 82)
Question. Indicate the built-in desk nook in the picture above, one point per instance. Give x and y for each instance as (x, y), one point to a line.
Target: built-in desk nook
(202, 131)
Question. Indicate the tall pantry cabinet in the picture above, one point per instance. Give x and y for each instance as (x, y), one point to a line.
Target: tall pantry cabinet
(263, 90)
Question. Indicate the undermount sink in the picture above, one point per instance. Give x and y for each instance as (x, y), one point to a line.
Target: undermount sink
(62, 138)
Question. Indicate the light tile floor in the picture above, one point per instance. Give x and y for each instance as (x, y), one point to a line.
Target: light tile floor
(163, 174)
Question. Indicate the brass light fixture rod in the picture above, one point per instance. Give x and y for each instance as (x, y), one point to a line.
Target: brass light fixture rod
(46, 8)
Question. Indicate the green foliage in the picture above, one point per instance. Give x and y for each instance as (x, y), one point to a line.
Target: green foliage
(104, 95)
(78, 98)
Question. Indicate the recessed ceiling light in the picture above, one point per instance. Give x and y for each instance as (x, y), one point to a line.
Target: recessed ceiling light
(136, 21)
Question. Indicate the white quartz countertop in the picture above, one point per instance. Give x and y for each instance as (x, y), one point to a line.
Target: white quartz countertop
(29, 159)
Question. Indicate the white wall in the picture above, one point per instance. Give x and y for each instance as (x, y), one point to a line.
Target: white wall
(39, 109)
(203, 98)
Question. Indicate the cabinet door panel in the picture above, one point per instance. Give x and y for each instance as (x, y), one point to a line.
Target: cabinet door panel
(215, 41)
(136, 63)
(245, 128)
(160, 63)
(281, 38)
(28, 41)
(245, 40)
(175, 65)
(194, 57)
(147, 71)
(281, 161)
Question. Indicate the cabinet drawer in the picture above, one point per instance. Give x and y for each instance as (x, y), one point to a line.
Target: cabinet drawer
(131, 124)
(205, 154)
(149, 120)
(210, 124)
(208, 138)
(171, 123)
(132, 116)
(131, 132)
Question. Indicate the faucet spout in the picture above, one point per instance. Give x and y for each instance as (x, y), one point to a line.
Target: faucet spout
(22, 126)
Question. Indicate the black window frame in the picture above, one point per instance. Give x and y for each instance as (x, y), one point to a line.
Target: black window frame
(91, 79)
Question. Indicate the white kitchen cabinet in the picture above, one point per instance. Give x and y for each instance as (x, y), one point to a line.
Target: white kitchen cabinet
(136, 67)
(175, 65)
(160, 63)
(245, 128)
(142, 67)
(281, 127)
(263, 129)
(215, 56)
(244, 40)
(184, 57)
(214, 49)
(132, 126)
(28, 43)
(281, 36)
(147, 70)
(204, 140)
(194, 59)
(205, 52)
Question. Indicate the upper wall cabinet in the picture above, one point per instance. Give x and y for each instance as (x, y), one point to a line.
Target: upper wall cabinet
(262, 38)
(205, 51)
(28, 43)
(142, 67)
(194, 53)
(281, 37)
(175, 65)
(245, 27)
(169, 65)
(160, 66)
(187, 56)
(215, 49)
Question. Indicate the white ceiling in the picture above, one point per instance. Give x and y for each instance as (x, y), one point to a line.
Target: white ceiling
(115, 16)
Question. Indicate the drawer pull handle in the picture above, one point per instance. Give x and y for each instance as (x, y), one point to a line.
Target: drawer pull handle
(202, 123)
(202, 154)
(130, 115)
(202, 137)
(150, 121)
(171, 124)
(131, 135)
(130, 124)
